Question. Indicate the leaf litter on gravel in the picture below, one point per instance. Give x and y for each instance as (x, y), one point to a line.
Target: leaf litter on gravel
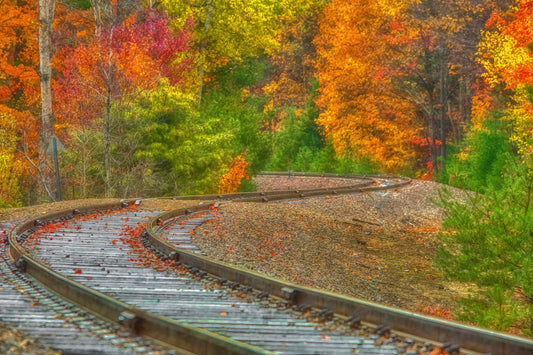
(376, 246)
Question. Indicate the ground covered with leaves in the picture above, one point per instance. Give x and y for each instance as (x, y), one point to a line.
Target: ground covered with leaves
(376, 246)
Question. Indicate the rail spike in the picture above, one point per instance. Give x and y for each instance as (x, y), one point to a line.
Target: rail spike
(129, 321)
(21, 264)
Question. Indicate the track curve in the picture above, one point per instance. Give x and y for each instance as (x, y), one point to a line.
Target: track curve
(164, 318)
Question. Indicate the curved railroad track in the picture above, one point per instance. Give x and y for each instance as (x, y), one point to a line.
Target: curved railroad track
(115, 279)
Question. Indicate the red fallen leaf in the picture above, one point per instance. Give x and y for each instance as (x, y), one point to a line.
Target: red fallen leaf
(36, 303)
(223, 313)
(192, 232)
(89, 278)
(325, 337)
(113, 242)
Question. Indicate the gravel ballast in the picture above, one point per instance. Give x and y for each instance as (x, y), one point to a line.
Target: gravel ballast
(375, 246)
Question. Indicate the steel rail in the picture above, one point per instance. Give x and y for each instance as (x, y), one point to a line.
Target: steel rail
(471, 338)
(290, 193)
(167, 332)
(158, 328)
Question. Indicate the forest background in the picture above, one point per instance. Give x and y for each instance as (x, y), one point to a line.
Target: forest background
(154, 98)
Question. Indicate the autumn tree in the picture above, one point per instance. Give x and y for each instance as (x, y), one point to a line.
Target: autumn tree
(19, 97)
(231, 180)
(437, 68)
(361, 112)
(506, 55)
(121, 61)
(422, 52)
(231, 30)
(488, 241)
(10, 168)
(293, 63)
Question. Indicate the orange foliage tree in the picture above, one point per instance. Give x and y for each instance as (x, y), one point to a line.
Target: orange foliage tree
(362, 113)
(438, 65)
(121, 60)
(506, 54)
(398, 72)
(230, 182)
(19, 97)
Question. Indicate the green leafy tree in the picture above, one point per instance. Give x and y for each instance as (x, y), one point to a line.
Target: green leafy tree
(234, 100)
(488, 150)
(488, 241)
(232, 31)
(188, 152)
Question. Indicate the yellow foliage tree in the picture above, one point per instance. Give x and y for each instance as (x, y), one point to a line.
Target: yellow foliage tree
(507, 56)
(232, 30)
(10, 168)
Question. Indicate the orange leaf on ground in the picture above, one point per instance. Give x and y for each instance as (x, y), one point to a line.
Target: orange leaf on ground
(77, 271)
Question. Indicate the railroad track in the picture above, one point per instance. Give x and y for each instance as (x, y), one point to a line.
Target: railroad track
(133, 290)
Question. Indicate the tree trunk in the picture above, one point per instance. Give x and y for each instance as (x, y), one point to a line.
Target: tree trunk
(84, 172)
(107, 146)
(46, 20)
(97, 18)
(107, 132)
(433, 127)
(443, 103)
(201, 66)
